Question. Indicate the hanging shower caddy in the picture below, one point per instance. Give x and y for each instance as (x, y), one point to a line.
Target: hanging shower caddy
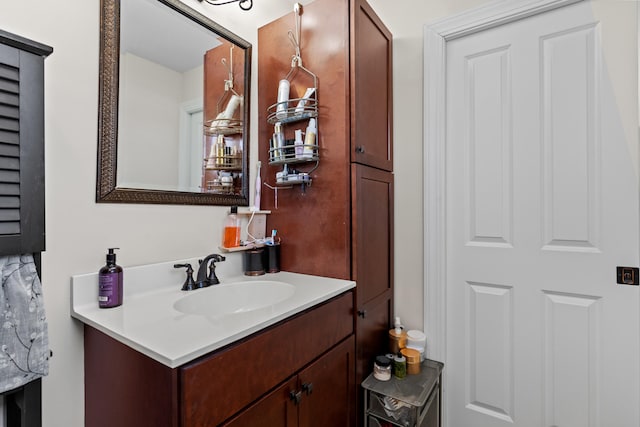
(286, 115)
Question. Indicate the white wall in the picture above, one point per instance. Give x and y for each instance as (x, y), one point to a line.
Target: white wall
(406, 20)
(148, 103)
(79, 230)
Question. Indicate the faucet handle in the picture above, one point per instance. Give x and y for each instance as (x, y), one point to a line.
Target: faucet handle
(213, 279)
(189, 283)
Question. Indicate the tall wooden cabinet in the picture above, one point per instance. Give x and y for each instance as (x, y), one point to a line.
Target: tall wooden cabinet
(342, 225)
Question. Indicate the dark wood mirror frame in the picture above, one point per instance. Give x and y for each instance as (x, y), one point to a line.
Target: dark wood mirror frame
(106, 188)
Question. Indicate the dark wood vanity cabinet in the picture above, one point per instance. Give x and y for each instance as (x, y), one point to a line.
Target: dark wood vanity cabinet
(248, 383)
(342, 225)
(320, 395)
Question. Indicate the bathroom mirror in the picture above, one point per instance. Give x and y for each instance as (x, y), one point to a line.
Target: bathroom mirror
(174, 107)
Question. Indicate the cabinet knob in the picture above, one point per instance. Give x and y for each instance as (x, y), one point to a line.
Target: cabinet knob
(308, 388)
(360, 149)
(362, 313)
(296, 396)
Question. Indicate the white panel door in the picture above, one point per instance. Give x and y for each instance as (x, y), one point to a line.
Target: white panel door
(542, 205)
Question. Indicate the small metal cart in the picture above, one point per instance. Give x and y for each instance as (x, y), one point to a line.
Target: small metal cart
(413, 401)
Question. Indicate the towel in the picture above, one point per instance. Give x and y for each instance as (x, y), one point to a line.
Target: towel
(24, 342)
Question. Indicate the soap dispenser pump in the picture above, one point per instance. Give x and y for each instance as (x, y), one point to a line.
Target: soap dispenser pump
(110, 282)
(397, 337)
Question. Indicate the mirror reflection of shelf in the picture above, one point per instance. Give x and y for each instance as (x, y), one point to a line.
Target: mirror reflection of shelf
(228, 106)
(230, 162)
(223, 127)
(223, 154)
(217, 187)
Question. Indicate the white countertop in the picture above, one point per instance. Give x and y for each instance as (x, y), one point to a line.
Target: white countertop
(148, 322)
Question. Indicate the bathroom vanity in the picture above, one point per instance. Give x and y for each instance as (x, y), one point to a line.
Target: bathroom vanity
(290, 363)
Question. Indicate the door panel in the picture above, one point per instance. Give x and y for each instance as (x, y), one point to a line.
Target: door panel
(372, 228)
(276, 409)
(329, 389)
(542, 204)
(371, 89)
(372, 328)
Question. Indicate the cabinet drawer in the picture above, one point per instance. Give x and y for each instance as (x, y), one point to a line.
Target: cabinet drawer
(215, 387)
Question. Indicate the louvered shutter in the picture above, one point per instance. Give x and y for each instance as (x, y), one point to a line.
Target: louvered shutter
(21, 148)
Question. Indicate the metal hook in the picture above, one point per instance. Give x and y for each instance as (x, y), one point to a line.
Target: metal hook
(228, 84)
(295, 39)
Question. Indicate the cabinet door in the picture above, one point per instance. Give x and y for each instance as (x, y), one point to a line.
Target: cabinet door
(372, 228)
(276, 409)
(217, 386)
(372, 329)
(371, 89)
(328, 389)
(21, 145)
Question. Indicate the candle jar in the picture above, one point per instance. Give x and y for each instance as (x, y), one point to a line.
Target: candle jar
(382, 368)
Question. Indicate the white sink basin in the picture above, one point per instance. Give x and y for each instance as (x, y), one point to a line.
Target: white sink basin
(233, 298)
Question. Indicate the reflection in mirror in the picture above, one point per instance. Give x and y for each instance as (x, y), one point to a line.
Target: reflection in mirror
(174, 125)
(223, 123)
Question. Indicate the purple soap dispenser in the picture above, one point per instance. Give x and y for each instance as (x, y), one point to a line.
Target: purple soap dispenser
(110, 282)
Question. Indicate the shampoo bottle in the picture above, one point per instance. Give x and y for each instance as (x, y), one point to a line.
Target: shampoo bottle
(231, 229)
(298, 144)
(110, 282)
(309, 148)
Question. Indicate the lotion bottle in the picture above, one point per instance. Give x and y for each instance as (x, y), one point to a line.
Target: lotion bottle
(279, 142)
(298, 144)
(110, 284)
(283, 99)
(309, 148)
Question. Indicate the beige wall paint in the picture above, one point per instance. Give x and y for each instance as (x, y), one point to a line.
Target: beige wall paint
(406, 20)
(79, 230)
